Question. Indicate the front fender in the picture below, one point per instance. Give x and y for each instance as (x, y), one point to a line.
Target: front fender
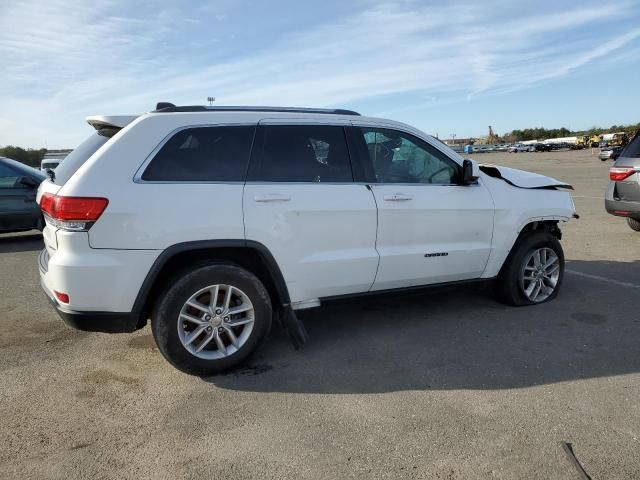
(515, 209)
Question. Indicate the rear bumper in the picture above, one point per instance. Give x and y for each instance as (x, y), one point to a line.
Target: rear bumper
(107, 322)
(621, 208)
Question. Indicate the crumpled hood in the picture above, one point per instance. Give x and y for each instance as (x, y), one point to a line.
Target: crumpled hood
(521, 178)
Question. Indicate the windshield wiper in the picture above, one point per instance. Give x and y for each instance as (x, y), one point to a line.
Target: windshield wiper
(51, 174)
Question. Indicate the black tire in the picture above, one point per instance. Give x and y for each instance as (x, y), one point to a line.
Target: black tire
(508, 286)
(634, 224)
(164, 319)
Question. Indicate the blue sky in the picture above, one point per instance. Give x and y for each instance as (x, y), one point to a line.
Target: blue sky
(445, 67)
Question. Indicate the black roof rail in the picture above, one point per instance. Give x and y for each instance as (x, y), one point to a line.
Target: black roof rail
(166, 107)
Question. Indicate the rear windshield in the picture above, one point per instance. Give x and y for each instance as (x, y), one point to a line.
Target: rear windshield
(632, 150)
(72, 162)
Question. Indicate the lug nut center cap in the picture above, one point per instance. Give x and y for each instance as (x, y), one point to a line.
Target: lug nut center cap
(216, 321)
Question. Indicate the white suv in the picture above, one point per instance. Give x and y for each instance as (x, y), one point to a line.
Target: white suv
(214, 221)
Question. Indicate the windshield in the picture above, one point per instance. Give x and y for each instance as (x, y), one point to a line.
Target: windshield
(24, 169)
(80, 154)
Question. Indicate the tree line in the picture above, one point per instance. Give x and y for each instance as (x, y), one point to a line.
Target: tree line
(541, 133)
(29, 157)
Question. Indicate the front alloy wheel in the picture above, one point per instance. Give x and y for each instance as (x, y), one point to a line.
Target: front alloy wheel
(540, 274)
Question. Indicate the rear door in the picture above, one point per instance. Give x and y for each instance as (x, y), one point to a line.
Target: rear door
(301, 203)
(431, 229)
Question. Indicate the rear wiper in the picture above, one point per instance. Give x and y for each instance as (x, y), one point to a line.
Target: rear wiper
(51, 174)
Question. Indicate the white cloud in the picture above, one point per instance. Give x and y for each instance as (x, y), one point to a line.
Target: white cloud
(64, 60)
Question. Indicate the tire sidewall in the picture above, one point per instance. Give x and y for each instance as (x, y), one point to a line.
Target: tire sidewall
(634, 224)
(164, 322)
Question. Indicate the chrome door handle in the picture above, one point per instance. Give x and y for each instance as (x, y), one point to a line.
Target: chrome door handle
(397, 197)
(272, 197)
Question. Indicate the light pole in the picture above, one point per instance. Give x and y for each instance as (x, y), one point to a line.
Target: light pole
(211, 100)
(453, 136)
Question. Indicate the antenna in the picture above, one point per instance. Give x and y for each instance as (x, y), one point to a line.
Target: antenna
(211, 100)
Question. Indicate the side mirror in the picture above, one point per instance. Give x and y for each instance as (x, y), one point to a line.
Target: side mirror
(28, 182)
(470, 171)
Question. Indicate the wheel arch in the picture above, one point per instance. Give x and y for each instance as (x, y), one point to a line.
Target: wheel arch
(542, 224)
(248, 254)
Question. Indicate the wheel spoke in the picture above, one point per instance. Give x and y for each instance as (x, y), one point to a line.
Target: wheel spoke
(219, 343)
(529, 290)
(191, 318)
(242, 321)
(530, 269)
(536, 258)
(205, 342)
(240, 309)
(193, 335)
(550, 262)
(227, 297)
(232, 337)
(198, 306)
(213, 294)
(536, 290)
(552, 269)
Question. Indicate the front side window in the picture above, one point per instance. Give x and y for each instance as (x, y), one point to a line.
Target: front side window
(203, 154)
(8, 177)
(398, 157)
(303, 153)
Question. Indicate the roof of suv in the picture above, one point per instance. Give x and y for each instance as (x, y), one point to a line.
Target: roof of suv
(165, 107)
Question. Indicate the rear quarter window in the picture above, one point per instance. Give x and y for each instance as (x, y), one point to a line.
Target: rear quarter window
(203, 154)
(72, 162)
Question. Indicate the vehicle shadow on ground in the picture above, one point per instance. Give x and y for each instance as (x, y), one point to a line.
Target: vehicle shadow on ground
(457, 339)
(24, 242)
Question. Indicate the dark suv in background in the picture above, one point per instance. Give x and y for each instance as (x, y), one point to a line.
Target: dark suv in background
(623, 193)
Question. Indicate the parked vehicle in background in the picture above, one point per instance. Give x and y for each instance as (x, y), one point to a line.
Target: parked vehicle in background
(611, 153)
(52, 159)
(518, 147)
(216, 221)
(49, 164)
(19, 210)
(542, 147)
(623, 192)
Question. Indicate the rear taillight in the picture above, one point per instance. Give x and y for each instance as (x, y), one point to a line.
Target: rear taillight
(72, 213)
(620, 173)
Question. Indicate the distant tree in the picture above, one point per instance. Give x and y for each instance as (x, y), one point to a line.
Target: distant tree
(29, 157)
(540, 133)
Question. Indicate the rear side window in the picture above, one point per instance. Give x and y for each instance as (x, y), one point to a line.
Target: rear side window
(632, 150)
(302, 153)
(72, 162)
(203, 154)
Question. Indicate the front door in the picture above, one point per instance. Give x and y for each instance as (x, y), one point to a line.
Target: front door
(431, 229)
(301, 203)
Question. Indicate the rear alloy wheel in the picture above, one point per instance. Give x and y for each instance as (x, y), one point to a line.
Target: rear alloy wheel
(634, 224)
(211, 319)
(533, 272)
